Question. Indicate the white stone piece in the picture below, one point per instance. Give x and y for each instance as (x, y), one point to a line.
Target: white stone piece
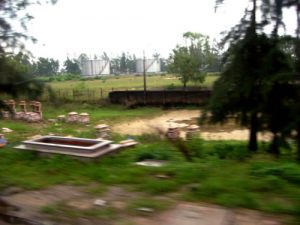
(6, 130)
(144, 209)
(72, 117)
(100, 202)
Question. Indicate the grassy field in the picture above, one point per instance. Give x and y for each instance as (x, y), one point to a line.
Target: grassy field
(99, 88)
(130, 82)
(222, 172)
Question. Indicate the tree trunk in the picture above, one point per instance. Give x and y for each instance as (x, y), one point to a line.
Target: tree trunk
(274, 147)
(298, 142)
(253, 132)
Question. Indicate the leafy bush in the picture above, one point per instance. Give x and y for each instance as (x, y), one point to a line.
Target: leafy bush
(157, 151)
(65, 77)
(243, 199)
(195, 146)
(226, 150)
(267, 184)
(171, 87)
(287, 171)
(153, 154)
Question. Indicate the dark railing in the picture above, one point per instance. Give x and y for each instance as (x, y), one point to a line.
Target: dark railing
(161, 97)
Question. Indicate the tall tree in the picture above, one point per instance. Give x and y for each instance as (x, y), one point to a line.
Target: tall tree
(123, 67)
(257, 76)
(237, 92)
(188, 62)
(14, 10)
(274, 14)
(72, 66)
(14, 76)
(47, 66)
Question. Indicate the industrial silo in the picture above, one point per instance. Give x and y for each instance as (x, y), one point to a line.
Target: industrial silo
(151, 65)
(95, 67)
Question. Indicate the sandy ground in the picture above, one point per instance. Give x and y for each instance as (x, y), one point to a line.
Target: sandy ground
(181, 119)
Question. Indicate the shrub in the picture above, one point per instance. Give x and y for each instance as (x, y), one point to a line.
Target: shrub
(226, 150)
(65, 77)
(160, 151)
(287, 171)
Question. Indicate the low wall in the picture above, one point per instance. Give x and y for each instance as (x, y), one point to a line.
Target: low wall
(160, 97)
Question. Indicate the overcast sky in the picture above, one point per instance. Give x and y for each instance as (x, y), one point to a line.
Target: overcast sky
(71, 27)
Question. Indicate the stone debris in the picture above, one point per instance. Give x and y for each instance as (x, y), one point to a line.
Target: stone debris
(128, 143)
(61, 118)
(84, 118)
(144, 209)
(70, 136)
(173, 132)
(35, 136)
(103, 131)
(72, 117)
(162, 176)
(6, 130)
(100, 202)
(35, 115)
(151, 163)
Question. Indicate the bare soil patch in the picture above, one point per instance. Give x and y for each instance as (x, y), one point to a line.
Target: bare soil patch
(183, 118)
(204, 214)
(182, 213)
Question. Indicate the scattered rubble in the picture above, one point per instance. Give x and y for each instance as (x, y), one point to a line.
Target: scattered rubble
(100, 202)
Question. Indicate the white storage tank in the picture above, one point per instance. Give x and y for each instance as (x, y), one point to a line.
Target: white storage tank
(95, 67)
(151, 65)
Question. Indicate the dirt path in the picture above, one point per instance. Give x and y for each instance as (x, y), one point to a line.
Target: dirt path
(185, 213)
(183, 118)
(78, 200)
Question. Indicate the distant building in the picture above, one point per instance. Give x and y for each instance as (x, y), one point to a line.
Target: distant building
(95, 67)
(151, 65)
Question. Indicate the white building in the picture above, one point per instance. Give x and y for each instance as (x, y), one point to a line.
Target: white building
(95, 67)
(151, 65)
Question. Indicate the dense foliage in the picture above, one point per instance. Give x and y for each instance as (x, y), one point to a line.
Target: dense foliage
(192, 61)
(259, 82)
(15, 70)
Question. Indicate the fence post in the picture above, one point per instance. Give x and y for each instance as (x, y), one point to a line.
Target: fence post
(101, 93)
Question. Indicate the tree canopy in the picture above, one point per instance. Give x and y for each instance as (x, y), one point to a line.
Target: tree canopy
(192, 61)
(15, 77)
(257, 83)
(72, 66)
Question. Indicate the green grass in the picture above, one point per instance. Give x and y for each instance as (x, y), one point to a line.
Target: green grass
(130, 82)
(97, 90)
(229, 182)
(222, 172)
(94, 90)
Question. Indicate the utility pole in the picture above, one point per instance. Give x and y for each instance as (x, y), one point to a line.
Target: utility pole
(145, 83)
